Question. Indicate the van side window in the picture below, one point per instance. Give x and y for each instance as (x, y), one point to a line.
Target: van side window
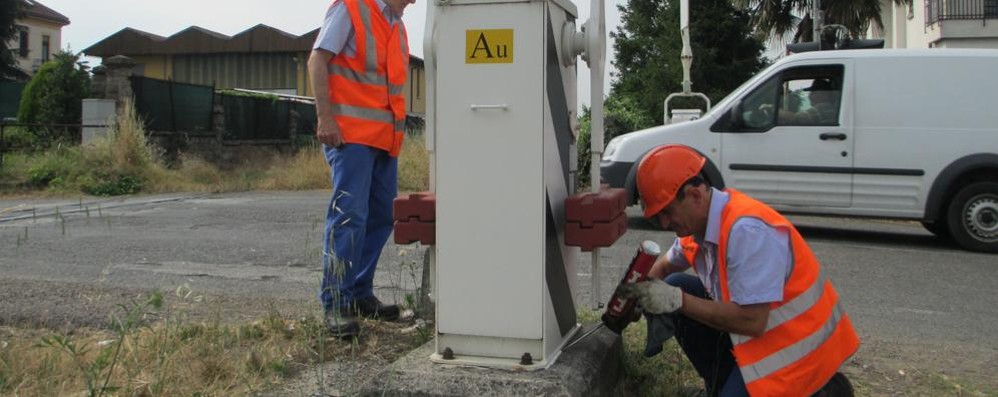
(810, 100)
(803, 96)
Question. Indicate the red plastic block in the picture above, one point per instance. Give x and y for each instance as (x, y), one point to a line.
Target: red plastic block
(590, 208)
(411, 232)
(599, 235)
(416, 207)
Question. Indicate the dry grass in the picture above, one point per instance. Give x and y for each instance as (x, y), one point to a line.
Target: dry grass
(187, 359)
(305, 170)
(414, 165)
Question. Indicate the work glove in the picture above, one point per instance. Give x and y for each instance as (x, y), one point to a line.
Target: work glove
(654, 296)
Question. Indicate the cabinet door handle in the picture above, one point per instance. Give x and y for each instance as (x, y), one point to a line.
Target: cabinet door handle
(501, 106)
(832, 136)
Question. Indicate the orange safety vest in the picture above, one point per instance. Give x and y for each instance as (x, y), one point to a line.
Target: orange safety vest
(366, 90)
(808, 335)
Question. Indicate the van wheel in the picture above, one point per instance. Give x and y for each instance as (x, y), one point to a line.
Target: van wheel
(939, 228)
(973, 217)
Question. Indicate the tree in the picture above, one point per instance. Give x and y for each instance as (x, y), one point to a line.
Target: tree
(791, 20)
(648, 45)
(10, 11)
(55, 93)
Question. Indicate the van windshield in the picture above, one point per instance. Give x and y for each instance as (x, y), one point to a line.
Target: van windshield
(727, 100)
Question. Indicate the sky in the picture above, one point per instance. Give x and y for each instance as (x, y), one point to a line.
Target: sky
(94, 20)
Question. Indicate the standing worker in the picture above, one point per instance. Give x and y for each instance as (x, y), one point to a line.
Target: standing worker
(358, 67)
(760, 317)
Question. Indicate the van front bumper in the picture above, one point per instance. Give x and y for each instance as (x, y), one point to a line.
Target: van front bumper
(614, 173)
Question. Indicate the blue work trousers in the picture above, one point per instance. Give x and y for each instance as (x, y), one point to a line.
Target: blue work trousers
(708, 349)
(358, 221)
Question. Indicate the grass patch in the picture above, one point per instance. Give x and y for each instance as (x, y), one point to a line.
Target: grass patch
(667, 374)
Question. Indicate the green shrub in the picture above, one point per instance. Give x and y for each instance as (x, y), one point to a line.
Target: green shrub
(19, 138)
(56, 165)
(621, 115)
(54, 94)
(111, 186)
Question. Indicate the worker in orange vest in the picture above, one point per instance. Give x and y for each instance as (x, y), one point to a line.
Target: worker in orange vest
(760, 316)
(358, 67)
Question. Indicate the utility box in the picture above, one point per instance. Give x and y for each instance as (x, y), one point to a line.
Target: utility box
(96, 112)
(502, 100)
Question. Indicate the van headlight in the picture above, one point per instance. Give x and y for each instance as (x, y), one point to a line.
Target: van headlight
(610, 149)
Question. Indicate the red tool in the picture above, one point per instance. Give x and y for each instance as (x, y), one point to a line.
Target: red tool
(618, 311)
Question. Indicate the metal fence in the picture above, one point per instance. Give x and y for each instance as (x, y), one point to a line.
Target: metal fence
(10, 98)
(939, 10)
(171, 106)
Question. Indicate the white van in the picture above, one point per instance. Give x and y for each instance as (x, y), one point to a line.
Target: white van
(902, 134)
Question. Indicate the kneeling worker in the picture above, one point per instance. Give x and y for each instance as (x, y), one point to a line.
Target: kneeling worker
(760, 317)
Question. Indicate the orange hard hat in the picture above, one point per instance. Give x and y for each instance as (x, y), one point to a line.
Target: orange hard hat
(663, 171)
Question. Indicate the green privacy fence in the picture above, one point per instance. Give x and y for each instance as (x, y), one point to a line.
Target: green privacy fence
(172, 106)
(169, 106)
(266, 118)
(10, 98)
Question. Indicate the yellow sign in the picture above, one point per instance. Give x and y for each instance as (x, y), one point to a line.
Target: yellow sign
(489, 46)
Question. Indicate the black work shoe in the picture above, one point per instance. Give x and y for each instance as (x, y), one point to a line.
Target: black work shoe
(341, 326)
(372, 308)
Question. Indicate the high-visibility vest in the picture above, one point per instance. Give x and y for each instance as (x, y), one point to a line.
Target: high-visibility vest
(808, 335)
(365, 90)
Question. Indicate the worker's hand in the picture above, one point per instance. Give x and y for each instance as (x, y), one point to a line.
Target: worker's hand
(654, 296)
(328, 132)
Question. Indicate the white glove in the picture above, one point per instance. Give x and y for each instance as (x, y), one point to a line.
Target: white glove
(654, 296)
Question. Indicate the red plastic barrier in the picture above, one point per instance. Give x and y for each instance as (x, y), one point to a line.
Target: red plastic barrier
(411, 232)
(417, 206)
(599, 235)
(415, 217)
(590, 208)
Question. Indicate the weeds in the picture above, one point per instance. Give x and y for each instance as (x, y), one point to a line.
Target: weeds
(125, 163)
(92, 368)
(176, 356)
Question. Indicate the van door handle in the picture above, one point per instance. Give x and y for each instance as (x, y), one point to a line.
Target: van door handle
(832, 136)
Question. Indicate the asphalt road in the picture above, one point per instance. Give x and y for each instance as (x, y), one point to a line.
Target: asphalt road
(63, 263)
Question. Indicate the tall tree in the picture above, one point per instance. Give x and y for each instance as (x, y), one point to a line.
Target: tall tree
(791, 20)
(648, 44)
(10, 12)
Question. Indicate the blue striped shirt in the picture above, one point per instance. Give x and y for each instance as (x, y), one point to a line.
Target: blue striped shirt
(759, 257)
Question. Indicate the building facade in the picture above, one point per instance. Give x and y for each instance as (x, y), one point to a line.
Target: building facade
(939, 24)
(261, 58)
(39, 36)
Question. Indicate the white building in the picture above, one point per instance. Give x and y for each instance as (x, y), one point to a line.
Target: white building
(939, 24)
(40, 36)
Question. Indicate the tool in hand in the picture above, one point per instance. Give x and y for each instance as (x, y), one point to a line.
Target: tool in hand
(617, 315)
